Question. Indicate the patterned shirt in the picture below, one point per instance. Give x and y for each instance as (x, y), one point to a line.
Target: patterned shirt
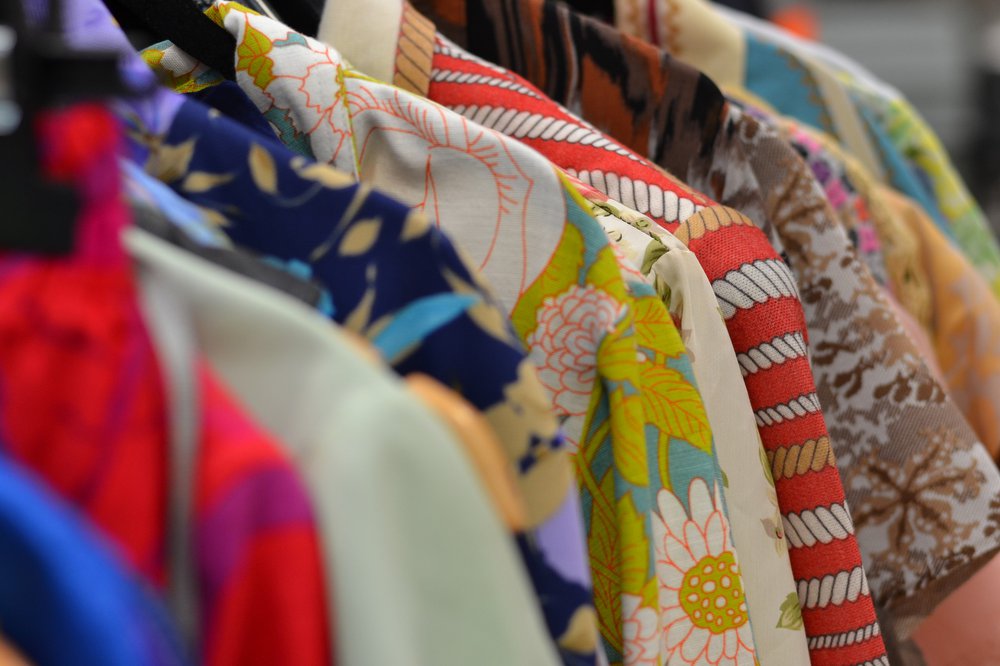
(853, 211)
(885, 402)
(617, 455)
(907, 277)
(755, 290)
(757, 527)
(502, 100)
(418, 325)
(885, 133)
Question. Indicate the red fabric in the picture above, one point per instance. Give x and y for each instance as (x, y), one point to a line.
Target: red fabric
(719, 252)
(82, 405)
(267, 602)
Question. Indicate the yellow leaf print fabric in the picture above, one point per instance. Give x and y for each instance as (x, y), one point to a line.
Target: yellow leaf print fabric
(679, 438)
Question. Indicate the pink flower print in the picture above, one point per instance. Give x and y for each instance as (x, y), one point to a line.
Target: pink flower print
(569, 331)
(868, 240)
(836, 194)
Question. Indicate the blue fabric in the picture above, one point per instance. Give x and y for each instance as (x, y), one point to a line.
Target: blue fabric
(903, 174)
(65, 600)
(227, 97)
(783, 81)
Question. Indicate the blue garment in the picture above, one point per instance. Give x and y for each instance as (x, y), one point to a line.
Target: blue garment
(786, 83)
(65, 599)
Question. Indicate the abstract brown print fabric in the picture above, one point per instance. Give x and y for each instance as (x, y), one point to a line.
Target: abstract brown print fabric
(923, 491)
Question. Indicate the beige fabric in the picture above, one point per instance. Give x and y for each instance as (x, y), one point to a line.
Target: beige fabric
(365, 40)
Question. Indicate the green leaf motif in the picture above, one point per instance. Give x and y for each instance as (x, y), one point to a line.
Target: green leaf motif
(251, 57)
(605, 563)
(559, 275)
(765, 463)
(635, 568)
(676, 407)
(791, 613)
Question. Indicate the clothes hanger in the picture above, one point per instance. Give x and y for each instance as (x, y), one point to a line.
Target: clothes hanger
(39, 70)
(600, 9)
(263, 7)
(302, 15)
(184, 24)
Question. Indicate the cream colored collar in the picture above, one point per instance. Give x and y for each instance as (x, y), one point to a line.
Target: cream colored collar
(366, 32)
(692, 31)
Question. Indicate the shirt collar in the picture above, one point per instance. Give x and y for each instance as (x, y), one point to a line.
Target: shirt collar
(691, 30)
(366, 32)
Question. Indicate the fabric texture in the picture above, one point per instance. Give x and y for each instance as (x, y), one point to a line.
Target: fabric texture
(907, 131)
(694, 633)
(852, 208)
(299, 285)
(911, 135)
(906, 274)
(754, 288)
(98, 436)
(965, 326)
(681, 283)
(909, 446)
(61, 579)
(499, 99)
(886, 134)
(456, 78)
(420, 566)
(766, 169)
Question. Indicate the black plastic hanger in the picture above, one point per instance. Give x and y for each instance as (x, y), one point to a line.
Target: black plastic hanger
(301, 15)
(184, 24)
(40, 70)
(599, 9)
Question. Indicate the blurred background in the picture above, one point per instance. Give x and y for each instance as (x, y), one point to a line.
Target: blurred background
(943, 55)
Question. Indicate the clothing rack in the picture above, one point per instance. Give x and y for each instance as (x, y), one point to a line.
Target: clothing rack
(484, 331)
